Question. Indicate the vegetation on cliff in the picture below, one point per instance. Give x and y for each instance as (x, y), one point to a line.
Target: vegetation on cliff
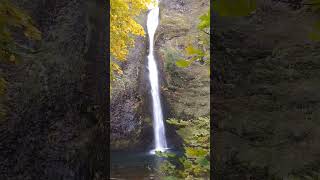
(122, 26)
(199, 49)
(195, 162)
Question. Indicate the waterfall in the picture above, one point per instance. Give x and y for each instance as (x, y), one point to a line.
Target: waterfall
(158, 125)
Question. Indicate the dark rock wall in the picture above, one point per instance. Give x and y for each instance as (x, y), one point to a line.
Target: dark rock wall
(131, 123)
(265, 97)
(56, 96)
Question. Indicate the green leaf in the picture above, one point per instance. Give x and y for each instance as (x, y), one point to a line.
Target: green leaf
(195, 152)
(193, 51)
(183, 63)
(185, 162)
(203, 161)
(234, 7)
(204, 21)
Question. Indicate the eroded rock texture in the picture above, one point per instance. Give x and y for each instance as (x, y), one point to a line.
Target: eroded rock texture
(56, 110)
(265, 101)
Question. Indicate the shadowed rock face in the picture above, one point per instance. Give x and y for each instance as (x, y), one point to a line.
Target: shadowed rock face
(55, 127)
(265, 100)
(131, 108)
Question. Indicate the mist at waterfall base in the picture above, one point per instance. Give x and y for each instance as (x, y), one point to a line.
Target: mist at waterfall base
(143, 165)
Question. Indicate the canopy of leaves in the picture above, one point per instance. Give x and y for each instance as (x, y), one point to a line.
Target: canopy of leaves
(122, 27)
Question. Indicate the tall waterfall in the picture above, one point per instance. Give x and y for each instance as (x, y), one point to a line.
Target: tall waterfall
(158, 125)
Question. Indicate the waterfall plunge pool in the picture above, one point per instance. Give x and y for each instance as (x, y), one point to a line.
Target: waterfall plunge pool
(133, 165)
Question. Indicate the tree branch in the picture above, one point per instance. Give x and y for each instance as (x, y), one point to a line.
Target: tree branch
(205, 32)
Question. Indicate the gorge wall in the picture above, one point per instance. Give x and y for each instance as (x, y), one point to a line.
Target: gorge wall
(265, 101)
(55, 127)
(186, 89)
(185, 92)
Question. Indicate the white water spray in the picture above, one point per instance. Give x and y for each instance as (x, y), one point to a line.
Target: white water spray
(158, 125)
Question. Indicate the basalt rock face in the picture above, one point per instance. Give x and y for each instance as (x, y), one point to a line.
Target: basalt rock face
(131, 108)
(265, 101)
(56, 108)
(186, 90)
(183, 94)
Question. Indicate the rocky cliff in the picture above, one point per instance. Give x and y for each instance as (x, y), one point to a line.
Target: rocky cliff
(131, 123)
(56, 108)
(265, 100)
(185, 92)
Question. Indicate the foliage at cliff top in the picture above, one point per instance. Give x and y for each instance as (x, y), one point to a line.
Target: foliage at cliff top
(195, 163)
(122, 27)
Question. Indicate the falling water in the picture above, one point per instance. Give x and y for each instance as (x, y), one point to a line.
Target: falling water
(158, 125)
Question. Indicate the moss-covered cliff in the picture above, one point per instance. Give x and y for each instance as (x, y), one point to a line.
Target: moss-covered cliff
(186, 90)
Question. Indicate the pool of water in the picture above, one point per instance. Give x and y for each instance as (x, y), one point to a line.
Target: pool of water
(134, 165)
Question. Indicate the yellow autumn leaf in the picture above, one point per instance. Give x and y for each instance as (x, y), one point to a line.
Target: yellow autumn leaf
(123, 25)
